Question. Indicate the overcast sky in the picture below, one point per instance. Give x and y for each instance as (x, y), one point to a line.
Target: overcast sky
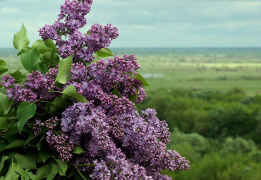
(148, 23)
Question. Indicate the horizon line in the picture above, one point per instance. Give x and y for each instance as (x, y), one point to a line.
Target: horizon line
(165, 47)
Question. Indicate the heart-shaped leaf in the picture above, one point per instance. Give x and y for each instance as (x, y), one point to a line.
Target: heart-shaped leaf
(4, 103)
(71, 91)
(29, 59)
(49, 43)
(3, 67)
(141, 78)
(104, 53)
(25, 111)
(21, 39)
(65, 66)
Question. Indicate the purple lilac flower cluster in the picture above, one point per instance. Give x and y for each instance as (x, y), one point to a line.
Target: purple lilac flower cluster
(127, 146)
(35, 87)
(60, 142)
(57, 141)
(98, 80)
(118, 142)
(70, 40)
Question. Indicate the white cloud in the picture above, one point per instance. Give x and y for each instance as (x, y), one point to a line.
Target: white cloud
(247, 7)
(7, 10)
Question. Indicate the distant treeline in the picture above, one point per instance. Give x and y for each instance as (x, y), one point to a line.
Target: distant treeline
(218, 132)
(211, 114)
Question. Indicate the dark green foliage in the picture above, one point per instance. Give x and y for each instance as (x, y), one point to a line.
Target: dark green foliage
(219, 132)
(209, 113)
(231, 159)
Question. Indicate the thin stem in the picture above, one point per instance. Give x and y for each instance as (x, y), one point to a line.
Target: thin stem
(49, 90)
(55, 91)
(81, 174)
(86, 165)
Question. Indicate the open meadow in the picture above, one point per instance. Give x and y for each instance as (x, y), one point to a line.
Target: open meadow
(218, 69)
(207, 69)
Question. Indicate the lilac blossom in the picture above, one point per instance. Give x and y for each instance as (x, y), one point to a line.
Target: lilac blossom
(65, 31)
(140, 142)
(118, 142)
(35, 87)
(97, 81)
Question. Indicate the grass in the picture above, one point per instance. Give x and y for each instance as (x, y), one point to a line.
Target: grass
(220, 75)
(209, 69)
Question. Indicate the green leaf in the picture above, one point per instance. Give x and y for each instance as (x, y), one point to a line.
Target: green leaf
(3, 67)
(39, 144)
(21, 39)
(26, 161)
(116, 92)
(58, 105)
(53, 173)
(11, 173)
(97, 58)
(33, 136)
(21, 171)
(51, 58)
(4, 158)
(39, 44)
(62, 167)
(15, 144)
(141, 78)
(78, 150)
(25, 111)
(43, 171)
(32, 176)
(133, 98)
(71, 174)
(3, 123)
(3, 146)
(18, 76)
(24, 50)
(49, 43)
(71, 91)
(104, 53)
(45, 154)
(30, 138)
(41, 66)
(12, 133)
(64, 69)
(4, 103)
(29, 59)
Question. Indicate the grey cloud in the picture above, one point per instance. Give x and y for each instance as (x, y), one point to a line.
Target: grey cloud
(149, 23)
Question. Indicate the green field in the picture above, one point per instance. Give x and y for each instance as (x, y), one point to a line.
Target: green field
(208, 69)
(218, 69)
(216, 76)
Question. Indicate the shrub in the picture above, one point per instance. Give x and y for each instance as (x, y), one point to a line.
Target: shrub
(74, 115)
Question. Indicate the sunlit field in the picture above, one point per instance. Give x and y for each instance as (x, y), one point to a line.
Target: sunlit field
(207, 69)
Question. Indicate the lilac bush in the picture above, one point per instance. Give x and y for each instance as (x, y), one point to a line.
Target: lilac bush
(78, 114)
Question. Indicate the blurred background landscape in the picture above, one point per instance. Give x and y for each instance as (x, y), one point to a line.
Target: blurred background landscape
(211, 100)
